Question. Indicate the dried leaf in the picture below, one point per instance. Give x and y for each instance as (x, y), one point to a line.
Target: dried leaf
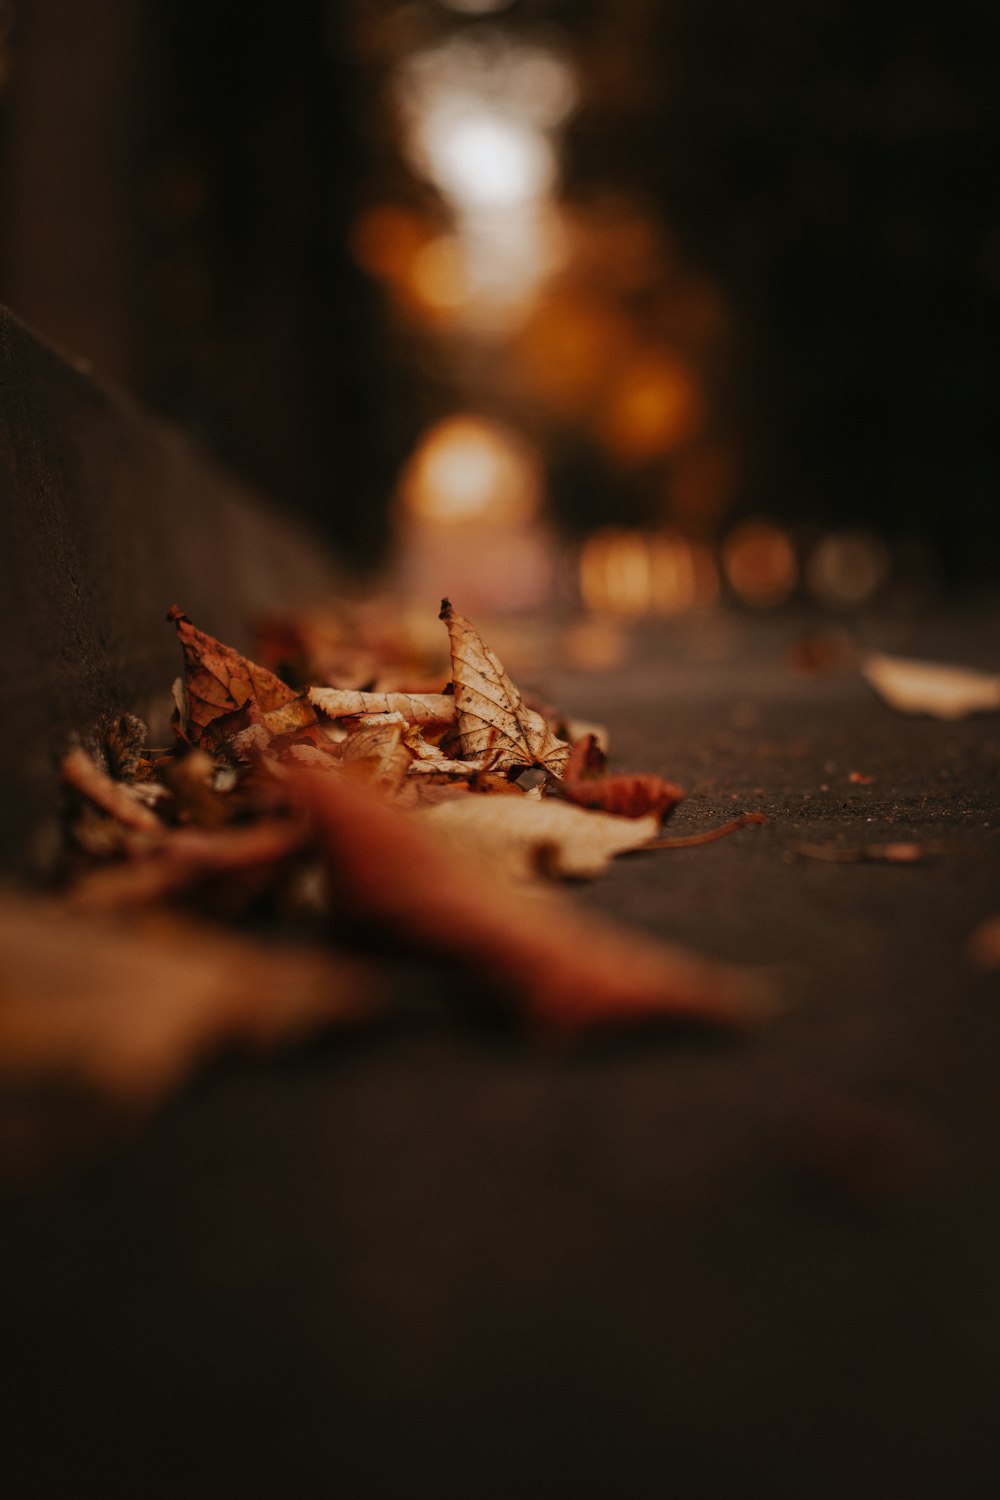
(118, 799)
(493, 719)
(564, 970)
(378, 748)
(924, 687)
(634, 796)
(125, 742)
(518, 834)
(426, 709)
(219, 681)
(130, 1008)
(185, 859)
(191, 779)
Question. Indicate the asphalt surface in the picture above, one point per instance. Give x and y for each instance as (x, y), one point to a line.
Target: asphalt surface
(445, 1259)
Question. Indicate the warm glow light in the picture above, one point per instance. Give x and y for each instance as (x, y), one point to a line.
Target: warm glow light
(759, 563)
(616, 572)
(385, 240)
(439, 275)
(845, 570)
(682, 574)
(702, 483)
(467, 468)
(656, 406)
(568, 348)
(638, 573)
(484, 159)
(479, 111)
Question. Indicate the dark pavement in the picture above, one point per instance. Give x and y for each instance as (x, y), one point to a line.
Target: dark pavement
(444, 1259)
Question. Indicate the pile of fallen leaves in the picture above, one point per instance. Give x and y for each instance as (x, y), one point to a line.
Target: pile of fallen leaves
(330, 826)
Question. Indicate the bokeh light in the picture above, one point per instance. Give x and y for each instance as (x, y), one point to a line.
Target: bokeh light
(468, 468)
(385, 240)
(847, 569)
(760, 564)
(479, 113)
(568, 348)
(481, 158)
(632, 573)
(439, 275)
(656, 406)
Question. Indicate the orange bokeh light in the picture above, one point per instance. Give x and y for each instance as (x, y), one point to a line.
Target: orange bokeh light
(385, 241)
(638, 573)
(467, 468)
(438, 275)
(566, 349)
(760, 564)
(657, 405)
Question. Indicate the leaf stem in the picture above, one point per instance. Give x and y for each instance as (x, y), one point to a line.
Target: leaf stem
(691, 840)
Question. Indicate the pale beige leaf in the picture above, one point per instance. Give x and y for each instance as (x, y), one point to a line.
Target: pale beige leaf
(519, 834)
(493, 719)
(925, 687)
(416, 708)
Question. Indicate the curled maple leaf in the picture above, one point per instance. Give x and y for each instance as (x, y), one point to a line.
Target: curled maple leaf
(493, 719)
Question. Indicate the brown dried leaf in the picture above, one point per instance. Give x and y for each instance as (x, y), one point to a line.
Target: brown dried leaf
(493, 720)
(377, 748)
(587, 759)
(191, 779)
(565, 971)
(220, 681)
(130, 1008)
(185, 859)
(634, 796)
(125, 742)
(118, 799)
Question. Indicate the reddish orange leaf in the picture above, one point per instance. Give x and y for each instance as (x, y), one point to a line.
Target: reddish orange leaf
(632, 796)
(565, 970)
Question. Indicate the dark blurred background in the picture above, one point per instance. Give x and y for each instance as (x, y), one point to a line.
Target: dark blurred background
(692, 275)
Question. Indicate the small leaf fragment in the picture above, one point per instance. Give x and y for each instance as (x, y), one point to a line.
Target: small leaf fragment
(935, 688)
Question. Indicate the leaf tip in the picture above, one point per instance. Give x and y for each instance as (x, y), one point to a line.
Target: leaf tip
(446, 610)
(176, 613)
